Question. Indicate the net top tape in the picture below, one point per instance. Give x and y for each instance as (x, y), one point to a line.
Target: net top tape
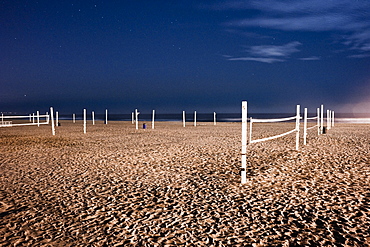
(256, 120)
(24, 116)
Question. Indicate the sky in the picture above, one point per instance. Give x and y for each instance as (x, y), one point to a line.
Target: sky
(184, 55)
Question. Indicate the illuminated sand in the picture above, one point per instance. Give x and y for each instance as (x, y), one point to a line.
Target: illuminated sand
(170, 186)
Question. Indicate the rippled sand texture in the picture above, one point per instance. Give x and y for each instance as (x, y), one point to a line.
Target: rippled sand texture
(116, 186)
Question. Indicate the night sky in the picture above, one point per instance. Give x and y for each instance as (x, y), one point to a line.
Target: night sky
(184, 55)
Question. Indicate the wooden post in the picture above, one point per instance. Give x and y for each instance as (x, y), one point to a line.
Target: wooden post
(93, 117)
(183, 118)
(2, 118)
(153, 119)
(38, 118)
(195, 118)
(297, 126)
(305, 127)
(244, 143)
(84, 121)
(52, 121)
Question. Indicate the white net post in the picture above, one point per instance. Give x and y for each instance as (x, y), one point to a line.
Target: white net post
(305, 127)
(327, 119)
(74, 118)
(318, 121)
(52, 121)
(183, 118)
(332, 119)
(56, 118)
(153, 119)
(331, 114)
(33, 118)
(244, 142)
(322, 120)
(38, 118)
(250, 129)
(136, 119)
(195, 118)
(106, 116)
(93, 117)
(297, 127)
(30, 117)
(84, 121)
(132, 118)
(214, 118)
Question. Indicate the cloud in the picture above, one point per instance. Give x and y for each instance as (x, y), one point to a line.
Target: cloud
(315, 23)
(313, 58)
(349, 19)
(359, 41)
(274, 50)
(257, 59)
(359, 55)
(292, 6)
(269, 53)
(247, 34)
(298, 6)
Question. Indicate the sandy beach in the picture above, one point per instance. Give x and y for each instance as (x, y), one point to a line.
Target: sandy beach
(176, 186)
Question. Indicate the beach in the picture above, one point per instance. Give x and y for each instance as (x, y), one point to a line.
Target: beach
(176, 186)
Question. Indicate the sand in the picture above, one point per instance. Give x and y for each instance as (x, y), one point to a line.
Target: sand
(176, 186)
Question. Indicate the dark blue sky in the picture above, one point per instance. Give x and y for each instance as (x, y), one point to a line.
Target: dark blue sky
(184, 55)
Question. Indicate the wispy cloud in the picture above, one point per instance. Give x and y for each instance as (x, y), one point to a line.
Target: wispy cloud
(293, 6)
(269, 53)
(350, 19)
(274, 50)
(247, 34)
(315, 23)
(359, 55)
(313, 58)
(257, 59)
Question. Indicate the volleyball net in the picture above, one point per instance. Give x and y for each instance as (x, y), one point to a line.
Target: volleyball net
(34, 119)
(317, 119)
